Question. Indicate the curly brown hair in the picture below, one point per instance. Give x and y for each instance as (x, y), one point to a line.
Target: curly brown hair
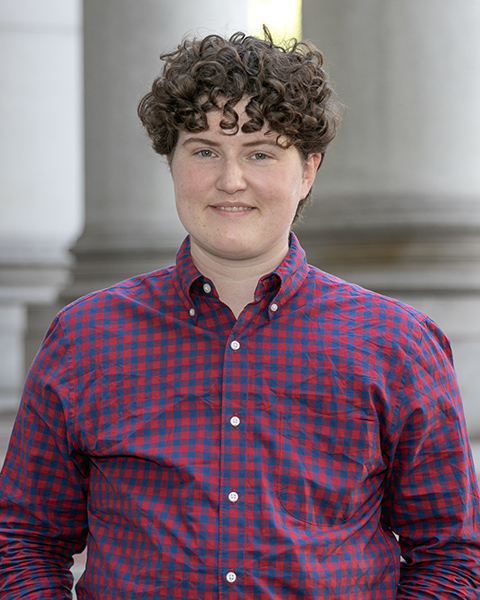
(287, 87)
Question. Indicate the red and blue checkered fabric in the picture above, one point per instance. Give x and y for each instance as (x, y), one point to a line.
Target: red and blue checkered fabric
(273, 456)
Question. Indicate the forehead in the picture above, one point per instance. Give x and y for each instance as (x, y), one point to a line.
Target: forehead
(235, 136)
(217, 135)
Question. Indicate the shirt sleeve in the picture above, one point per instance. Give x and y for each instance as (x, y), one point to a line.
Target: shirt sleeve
(432, 499)
(43, 485)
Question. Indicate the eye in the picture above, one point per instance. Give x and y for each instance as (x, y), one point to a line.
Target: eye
(205, 153)
(259, 156)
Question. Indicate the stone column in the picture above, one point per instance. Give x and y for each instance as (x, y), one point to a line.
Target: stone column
(40, 167)
(130, 220)
(398, 200)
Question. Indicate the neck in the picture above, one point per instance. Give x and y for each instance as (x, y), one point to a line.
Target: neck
(235, 280)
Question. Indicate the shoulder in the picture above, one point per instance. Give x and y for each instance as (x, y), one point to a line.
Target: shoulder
(372, 315)
(353, 297)
(144, 294)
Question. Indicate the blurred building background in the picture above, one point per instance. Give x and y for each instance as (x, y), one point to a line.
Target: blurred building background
(85, 202)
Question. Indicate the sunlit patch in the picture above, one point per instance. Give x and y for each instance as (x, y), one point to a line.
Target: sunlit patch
(282, 17)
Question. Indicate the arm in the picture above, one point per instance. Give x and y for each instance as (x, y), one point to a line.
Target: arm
(432, 500)
(42, 486)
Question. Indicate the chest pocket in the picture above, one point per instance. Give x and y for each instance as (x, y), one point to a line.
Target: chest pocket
(329, 467)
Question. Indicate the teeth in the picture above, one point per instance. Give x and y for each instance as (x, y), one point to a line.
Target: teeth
(234, 208)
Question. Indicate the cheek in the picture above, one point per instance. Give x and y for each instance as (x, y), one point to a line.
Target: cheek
(185, 194)
(286, 193)
(192, 183)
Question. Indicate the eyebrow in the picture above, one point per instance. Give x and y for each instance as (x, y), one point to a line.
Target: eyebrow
(257, 142)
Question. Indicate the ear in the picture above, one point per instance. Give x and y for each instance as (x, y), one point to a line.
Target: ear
(309, 171)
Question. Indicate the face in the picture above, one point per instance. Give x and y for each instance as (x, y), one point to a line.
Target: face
(237, 194)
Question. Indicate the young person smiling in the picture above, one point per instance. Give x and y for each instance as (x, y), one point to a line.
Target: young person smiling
(237, 195)
(241, 424)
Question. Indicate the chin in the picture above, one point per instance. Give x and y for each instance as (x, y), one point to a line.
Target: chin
(233, 254)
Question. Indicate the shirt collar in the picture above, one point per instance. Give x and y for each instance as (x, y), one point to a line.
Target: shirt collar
(291, 272)
(287, 277)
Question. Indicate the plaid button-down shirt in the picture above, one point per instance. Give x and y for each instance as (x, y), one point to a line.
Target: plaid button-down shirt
(297, 452)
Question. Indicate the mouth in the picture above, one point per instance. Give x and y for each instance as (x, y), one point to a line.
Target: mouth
(234, 208)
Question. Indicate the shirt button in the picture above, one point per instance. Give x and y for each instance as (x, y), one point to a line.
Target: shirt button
(233, 497)
(274, 307)
(207, 288)
(235, 421)
(235, 345)
(191, 312)
(231, 577)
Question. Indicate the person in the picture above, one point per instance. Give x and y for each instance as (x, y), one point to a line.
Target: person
(241, 424)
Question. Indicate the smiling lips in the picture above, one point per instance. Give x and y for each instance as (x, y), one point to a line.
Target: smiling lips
(234, 208)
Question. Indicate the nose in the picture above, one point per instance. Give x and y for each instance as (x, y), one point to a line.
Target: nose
(231, 177)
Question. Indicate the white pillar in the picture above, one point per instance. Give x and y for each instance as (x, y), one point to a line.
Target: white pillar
(131, 225)
(398, 199)
(40, 166)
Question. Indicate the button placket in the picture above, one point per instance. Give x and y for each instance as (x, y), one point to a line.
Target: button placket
(230, 517)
